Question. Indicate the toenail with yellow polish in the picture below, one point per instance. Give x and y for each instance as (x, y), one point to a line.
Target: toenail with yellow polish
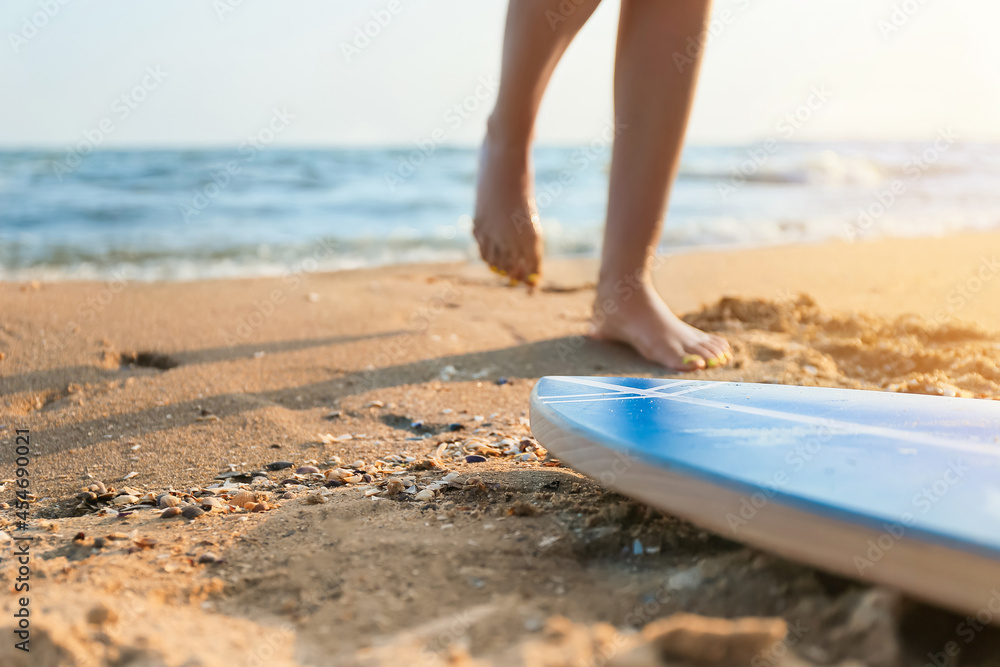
(514, 282)
(691, 359)
(501, 272)
(494, 269)
(713, 362)
(532, 278)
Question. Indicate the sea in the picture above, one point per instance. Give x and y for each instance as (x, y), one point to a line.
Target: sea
(179, 215)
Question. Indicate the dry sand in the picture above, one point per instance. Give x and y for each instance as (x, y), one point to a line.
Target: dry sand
(156, 387)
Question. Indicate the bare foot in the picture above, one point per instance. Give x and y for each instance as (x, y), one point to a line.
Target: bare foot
(641, 319)
(506, 222)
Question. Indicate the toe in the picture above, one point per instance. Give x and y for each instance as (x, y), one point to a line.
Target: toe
(691, 362)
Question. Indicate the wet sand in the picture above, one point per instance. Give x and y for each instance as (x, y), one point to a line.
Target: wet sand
(149, 388)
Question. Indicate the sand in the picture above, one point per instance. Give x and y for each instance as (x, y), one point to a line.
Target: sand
(157, 387)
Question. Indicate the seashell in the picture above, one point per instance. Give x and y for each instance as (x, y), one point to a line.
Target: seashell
(338, 474)
(306, 470)
(449, 477)
(98, 488)
(426, 494)
(168, 500)
(87, 496)
(375, 404)
(125, 500)
(211, 504)
(333, 461)
(106, 497)
(372, 492)
(508, 442)
(170, 512)
(353, 479)
(394, 487)
(261, 507)
(527, 456)
(208, 557)
(475, 458)
(367, 478)
(279, 465)
(249, 507)
(242, 497)
(192, 512)
(358, 465)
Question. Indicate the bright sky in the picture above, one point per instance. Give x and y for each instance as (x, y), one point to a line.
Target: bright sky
(213, 71)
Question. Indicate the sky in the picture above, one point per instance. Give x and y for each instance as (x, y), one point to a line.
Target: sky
(213, 72)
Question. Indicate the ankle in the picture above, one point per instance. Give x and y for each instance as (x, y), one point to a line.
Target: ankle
(511, 135)
(623, 284)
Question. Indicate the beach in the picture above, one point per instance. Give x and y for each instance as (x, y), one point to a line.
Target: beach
(156, 387)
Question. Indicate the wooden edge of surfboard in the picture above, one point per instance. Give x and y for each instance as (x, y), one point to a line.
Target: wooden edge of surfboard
(964, 582)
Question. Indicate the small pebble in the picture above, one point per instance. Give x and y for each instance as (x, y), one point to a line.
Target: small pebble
(502, 381)
(208, 557)
(279, 465)
(315, 499)
(306, 470)
(100, 542)
(475, 458)
(455, 427)
(262, 506)
(416, 424)
(394, 487)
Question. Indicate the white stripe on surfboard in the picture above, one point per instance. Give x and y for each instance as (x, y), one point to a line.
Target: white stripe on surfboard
(846, 428)
(615, 394)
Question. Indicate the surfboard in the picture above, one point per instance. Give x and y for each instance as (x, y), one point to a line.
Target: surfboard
(896, 489)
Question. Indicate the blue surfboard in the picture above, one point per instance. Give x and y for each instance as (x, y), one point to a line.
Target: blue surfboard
(898, 489)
